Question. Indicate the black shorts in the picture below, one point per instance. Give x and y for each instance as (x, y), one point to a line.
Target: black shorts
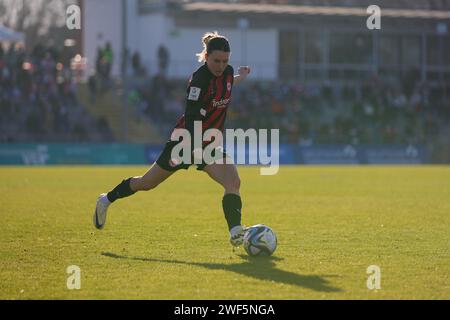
(166, 162)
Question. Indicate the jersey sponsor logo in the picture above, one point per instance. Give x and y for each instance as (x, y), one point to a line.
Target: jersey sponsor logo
(221, 103)
(194, 94)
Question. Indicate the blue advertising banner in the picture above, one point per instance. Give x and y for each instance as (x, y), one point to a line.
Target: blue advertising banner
(329, 154)
(152, 152)
(401, 154)
(349, 154)
(110, 154)
(264, 156)
(249, 156)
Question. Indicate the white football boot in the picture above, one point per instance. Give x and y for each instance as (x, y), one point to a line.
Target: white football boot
(100, 211)
(237, 235)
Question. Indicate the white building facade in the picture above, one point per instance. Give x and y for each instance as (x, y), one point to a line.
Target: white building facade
(293, 43)
(143, 26)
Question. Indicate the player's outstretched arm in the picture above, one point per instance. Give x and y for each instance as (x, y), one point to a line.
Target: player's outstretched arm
(243, 72)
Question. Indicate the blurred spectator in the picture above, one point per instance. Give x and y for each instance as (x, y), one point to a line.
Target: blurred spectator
(163, 59)
(38, 103)
(136, 63)
(38, 99)
(92, 83)
(104, 61)
(138, 68)
(372, 113)
(108, 59)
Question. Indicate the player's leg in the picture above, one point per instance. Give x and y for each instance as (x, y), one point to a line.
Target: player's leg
(160, 171)
(227, 176)
(151, 179)
(126, 188)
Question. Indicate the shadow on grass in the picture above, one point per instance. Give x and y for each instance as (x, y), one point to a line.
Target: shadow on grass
(262, 268)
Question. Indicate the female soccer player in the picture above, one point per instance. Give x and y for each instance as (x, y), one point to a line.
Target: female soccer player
(207, 99)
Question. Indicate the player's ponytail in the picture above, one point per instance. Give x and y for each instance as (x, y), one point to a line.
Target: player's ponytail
(213, 41)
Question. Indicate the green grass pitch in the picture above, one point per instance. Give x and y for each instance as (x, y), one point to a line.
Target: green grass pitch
(332, 223)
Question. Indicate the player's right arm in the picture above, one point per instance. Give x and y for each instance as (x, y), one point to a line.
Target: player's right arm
(243, 72)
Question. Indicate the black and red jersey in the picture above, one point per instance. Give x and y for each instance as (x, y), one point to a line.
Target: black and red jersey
(207, 99)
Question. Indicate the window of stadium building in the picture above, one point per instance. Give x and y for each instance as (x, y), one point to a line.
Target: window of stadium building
(389, 50)
(314, 47)
(389, 57)
(351, 48)
(438, 50)
(446, 50)
(434, 51)
(289, 46)
(411, 51)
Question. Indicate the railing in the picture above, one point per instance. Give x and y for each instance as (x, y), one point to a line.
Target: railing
(309, 72)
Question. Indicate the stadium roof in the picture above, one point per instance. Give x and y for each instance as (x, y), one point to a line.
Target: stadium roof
(310, 10)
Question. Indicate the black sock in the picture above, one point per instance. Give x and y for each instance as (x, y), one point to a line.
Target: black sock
(232, 206)
(123, 190)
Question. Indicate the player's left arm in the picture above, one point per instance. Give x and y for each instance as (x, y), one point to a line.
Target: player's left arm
(243, 72)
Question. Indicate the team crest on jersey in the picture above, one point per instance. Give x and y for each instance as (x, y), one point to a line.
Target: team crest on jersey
(194, 94)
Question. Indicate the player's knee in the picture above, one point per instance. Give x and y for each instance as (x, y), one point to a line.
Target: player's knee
(237, 183)
(234, 184)
(144, 185)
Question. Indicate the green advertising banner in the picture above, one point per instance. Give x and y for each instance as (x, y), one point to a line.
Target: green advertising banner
(54, 154)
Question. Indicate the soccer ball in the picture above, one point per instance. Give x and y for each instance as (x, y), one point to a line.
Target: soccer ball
(260, 240)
